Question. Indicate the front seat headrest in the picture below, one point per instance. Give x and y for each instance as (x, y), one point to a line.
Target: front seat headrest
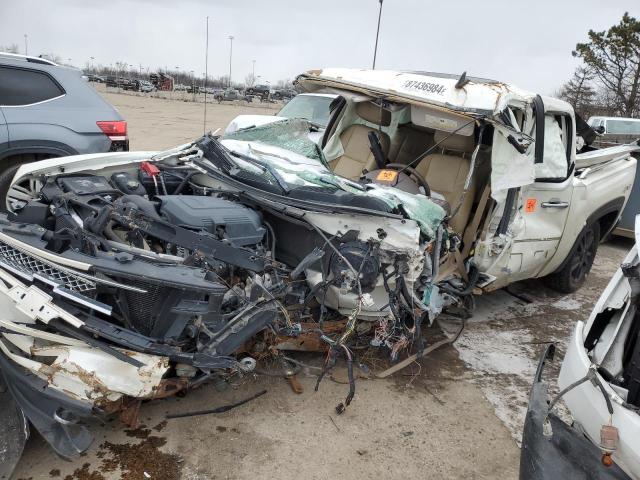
(455, 143)
(371, 112)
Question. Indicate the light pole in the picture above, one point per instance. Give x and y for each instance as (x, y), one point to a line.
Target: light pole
(253, 72)
(206, 75)
(91, 65)
(193, 85)
(26, 51)
(375, 50)
(230, 57)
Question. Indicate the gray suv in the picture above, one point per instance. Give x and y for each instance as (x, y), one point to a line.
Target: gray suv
(47, 110)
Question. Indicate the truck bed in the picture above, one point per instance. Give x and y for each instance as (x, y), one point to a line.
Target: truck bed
(603, 155)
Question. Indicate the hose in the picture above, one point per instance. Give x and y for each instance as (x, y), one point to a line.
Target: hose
(184, 182)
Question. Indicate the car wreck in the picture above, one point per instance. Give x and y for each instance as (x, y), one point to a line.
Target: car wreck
(600, 384)
(133, 276)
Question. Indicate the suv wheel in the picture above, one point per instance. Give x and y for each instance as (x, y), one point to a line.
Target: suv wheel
(572, 276)
(8, 171)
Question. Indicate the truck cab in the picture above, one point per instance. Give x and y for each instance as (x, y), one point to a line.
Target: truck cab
(520, 202)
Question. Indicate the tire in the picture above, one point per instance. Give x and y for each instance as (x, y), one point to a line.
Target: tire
(8, 170)
(578, 264)
(5, 181)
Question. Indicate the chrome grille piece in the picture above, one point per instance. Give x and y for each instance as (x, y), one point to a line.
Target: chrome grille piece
(29, 265)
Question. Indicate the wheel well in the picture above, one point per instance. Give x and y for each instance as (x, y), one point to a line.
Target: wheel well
(607, 222)
(21, 158)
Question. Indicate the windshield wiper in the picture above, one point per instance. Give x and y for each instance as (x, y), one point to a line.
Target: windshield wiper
(265, 167)
(220, 157)
(213, 151)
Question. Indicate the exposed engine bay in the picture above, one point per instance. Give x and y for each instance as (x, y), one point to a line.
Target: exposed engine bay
(169, 274)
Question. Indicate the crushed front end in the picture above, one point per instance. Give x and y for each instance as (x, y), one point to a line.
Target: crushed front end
(129, 281)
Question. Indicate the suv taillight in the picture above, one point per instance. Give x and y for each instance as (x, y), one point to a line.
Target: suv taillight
(116, 130)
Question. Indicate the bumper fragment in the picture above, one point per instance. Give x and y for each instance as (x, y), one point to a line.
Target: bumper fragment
(14, 431)
(55, 415)
(551, 449)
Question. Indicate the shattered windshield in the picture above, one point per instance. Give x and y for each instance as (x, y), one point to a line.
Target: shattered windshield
(288, 171)
(308, 107)
(292, 135)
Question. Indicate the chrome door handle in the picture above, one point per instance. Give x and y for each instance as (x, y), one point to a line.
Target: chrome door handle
(555, 204)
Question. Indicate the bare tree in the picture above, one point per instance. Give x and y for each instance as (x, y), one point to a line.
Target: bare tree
(13, 48)
(284, 84)
(250, 80)
(53, 57)
(579, 91)
(614, 58)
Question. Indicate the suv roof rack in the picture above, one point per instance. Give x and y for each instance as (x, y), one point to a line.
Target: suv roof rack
(27, 58)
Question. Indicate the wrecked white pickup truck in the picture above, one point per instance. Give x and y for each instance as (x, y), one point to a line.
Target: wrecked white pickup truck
(132, 276)
(600, 385)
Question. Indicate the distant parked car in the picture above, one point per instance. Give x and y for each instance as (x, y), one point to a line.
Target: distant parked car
(614, 131)
(260, 90)
(118, 81)
(95, 78)
(146, 86)
(180, 88)
(284, 94)
(229, 94)
(140, 86)
(47, 110)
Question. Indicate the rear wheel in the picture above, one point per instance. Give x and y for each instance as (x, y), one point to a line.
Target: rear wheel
(572, 276)
(21, 193)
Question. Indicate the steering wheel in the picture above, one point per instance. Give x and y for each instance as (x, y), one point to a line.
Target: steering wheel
(419, 179)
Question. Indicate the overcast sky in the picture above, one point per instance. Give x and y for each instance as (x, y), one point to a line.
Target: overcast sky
(529, 45)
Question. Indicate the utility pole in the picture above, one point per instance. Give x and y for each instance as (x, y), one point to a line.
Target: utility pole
(193, 85)
(206, 74)
(230, 57)
(26, 51)
(253, 72)
(375, 50)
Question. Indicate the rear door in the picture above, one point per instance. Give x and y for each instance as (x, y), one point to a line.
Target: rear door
(28, 99)
(547, 201)
(4, 134)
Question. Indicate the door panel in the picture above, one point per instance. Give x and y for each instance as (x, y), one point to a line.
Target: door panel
(4, 133)
(546, 203)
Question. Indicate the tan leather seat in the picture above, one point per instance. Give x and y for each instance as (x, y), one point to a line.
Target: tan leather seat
(357, 154)
(446, 172)
(409, 142)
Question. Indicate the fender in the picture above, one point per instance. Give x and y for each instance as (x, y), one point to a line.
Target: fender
(55, 149)
(614, 205)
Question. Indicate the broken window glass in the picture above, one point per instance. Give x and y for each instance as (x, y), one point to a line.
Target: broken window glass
(292, 135)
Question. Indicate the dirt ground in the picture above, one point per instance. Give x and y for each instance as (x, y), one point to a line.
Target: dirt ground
(456, 414)
(158, 123)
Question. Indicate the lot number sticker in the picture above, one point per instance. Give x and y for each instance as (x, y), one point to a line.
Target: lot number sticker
(530, 205)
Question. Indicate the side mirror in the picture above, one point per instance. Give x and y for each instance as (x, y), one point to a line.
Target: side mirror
(600, 130)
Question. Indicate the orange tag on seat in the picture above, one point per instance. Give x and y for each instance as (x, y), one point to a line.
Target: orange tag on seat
(387, 175)
(530, 205)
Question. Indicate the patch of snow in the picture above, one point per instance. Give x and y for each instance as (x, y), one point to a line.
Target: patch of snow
(567, 304)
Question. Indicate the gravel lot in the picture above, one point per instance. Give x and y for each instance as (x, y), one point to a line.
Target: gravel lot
(456, 414)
